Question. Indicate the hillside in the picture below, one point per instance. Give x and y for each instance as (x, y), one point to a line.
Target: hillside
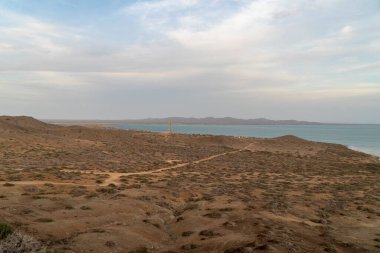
(78, 189)
(18, 123)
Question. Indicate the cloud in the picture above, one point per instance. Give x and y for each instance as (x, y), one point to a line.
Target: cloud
(226, 52)
(163, 5)
(346, 30)
(26, 33)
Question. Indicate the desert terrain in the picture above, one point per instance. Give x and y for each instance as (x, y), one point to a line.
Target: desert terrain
(93, 189)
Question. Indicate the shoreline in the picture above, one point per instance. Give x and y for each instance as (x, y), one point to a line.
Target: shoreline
(162, 129)
(352, 147)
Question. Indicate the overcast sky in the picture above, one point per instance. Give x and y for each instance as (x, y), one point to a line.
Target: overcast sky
(313, 60)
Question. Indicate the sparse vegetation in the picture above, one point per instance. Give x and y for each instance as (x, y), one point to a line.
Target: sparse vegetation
(208, 233)
(19, 243)
(140, 250)
(189, 246)
(44, 220)
(187, 233)
(286, 194)
(5, 230)
(8, 184)
(213, 215)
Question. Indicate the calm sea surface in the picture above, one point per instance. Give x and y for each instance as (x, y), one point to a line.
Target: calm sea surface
(365, 138)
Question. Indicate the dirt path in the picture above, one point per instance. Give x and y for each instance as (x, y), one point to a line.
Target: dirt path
(115, 176)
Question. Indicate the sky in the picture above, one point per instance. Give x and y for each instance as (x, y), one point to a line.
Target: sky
(316, 60)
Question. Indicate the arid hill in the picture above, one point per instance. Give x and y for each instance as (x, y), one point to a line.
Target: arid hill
(23, 123)
(78, 189)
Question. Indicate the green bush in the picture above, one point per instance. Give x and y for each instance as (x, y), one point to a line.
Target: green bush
(5, 230)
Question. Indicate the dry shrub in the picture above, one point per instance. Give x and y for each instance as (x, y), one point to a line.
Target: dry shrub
(19, 243)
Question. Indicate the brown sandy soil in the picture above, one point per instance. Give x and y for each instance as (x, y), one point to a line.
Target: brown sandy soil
(80, 189)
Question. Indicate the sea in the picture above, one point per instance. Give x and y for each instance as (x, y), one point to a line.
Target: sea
(364, 138)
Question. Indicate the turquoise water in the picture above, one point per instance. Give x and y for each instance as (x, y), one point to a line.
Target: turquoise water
(365, 138)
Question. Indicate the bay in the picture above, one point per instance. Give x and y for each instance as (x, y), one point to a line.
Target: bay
(365, 138)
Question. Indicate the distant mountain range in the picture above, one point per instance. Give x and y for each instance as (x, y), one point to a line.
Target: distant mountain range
(217, 121)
